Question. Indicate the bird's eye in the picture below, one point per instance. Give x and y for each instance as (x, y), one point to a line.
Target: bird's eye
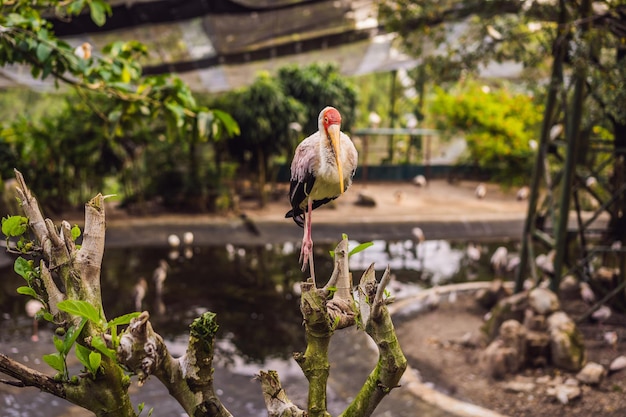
(325, 119)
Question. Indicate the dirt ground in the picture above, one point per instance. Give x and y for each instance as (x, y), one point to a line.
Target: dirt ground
(435, 345)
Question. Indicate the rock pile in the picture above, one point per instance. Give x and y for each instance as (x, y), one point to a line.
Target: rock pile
(529, 330)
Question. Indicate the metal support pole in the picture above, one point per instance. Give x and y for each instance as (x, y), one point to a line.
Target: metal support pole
(572, 135)
(556, 82)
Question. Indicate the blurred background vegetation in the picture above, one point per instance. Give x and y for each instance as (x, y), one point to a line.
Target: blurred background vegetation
(154, 142)
(70, 148)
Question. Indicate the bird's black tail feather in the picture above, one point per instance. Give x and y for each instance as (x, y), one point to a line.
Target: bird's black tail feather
(297, 218)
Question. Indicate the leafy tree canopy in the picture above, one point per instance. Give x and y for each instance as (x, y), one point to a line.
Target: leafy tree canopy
(117, 100)
(500, 127)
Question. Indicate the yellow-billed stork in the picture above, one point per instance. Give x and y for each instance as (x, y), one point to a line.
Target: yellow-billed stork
(321, 170)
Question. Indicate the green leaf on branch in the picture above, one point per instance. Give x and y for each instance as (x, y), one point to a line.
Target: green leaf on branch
(23, 268)
(95, 359)
(359, 248)
(56, 361)
(121, 320)
(58, 344)
(27, 291)
(24, 245)
(177, 112)
(72, 334)
(75, 7)
(80, 308)
(82, 353)
(99, 11)
(43, 51)
(102, 347)
(228, 123)
(14, 225)
(75, 232)
(90, 359)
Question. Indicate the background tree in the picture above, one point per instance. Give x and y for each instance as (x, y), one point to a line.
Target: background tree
(266, 116)
(317, 86)
(132, 101)
(500, 128)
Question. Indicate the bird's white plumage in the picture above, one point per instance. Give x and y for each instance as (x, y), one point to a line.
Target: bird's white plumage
(312, 158)
(321, 170)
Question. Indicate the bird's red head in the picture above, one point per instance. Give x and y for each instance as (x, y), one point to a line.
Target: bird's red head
(330, 117)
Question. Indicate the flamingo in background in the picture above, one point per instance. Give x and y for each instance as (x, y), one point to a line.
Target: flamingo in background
(32, 307)
(322, 169)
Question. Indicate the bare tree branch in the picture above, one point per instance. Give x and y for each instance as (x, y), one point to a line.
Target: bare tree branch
(276, 401)
(29, 377)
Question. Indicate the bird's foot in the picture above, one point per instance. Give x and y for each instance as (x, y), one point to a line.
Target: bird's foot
(306, 257)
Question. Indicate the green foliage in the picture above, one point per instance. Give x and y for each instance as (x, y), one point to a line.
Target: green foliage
(75, 232)
(264, 112)
(91, 360)
(204, 328)
(484, 32)
(358, 248)
(317, 86)
(31, 274)
(498, 127)
(90, 356)
(58, 360)
(140, 408)
(375, 96)
(81, 309)
(107, 126)
(13, 226)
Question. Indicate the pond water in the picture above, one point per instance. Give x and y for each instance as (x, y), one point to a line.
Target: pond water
(253, 290)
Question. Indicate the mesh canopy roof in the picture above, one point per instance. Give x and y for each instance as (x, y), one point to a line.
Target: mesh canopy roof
(217, 45)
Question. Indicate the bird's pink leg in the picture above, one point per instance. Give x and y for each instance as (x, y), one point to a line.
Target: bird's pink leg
(306, 251)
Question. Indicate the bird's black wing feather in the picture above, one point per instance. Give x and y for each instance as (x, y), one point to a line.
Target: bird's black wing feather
(298, 192)
(317, 203)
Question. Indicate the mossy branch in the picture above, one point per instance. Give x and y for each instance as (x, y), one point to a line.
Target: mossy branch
(325, 311)
(189, 379)
(391, 361)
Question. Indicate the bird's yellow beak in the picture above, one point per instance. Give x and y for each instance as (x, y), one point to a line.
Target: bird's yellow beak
(334, 132)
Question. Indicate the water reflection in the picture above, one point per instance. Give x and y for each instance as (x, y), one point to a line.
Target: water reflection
(253, 289)
(250, 288)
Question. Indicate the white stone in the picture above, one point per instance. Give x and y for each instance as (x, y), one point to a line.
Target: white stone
(543, 301)
(564, 393)
(591, 374)
(618, 364)
(566, 343)
(518, 386)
